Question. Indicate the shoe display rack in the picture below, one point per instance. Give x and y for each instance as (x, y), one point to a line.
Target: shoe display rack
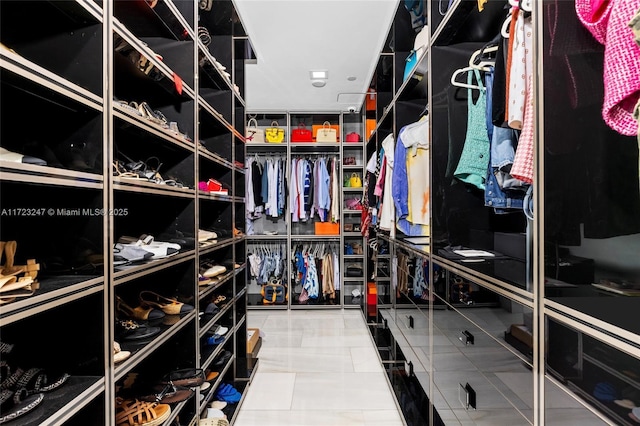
(550, 304)
(123, 253)
(284, 235)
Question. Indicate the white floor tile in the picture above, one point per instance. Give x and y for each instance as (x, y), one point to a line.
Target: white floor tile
(317, 368)
(342, 391)
(365, 360)
(328, 337)
(306, 360)
(278, 339)
(301, 418)
(260, 395)
(382, 418)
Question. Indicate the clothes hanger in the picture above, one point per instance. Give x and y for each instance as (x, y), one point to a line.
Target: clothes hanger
(483, 64)
(459, 84)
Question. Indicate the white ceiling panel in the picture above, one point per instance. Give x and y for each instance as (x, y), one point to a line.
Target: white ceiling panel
(293, 37)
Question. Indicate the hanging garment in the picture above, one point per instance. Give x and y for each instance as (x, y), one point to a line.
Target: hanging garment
(335, 193)
(324, 191)
(609, 25)
(472, 168)
(521, 65)
(255, 262)
(311, 284)
(523, 161)
(410, 182)
(387, 215)
(419, 280)
(336, 271)
(328, 289)
(403, 272)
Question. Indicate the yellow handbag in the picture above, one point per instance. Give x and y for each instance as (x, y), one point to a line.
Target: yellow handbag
(274, 134)
(355, 181)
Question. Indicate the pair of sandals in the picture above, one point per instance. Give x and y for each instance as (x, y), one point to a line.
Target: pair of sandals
(16, 280)
(131, 249)
(143, 171)
(21, 391)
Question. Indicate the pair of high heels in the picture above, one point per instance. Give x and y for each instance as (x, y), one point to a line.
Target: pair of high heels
(152, 307)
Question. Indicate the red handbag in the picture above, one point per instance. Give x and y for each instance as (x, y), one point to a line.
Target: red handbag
(352, 137)
(301, 134)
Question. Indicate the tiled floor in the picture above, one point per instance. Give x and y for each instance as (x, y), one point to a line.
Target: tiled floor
(317, 368)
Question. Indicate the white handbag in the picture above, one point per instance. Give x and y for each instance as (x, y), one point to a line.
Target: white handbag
(253, 134)
(326, 134)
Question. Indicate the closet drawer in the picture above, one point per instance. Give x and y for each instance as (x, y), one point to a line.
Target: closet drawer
(477, 379)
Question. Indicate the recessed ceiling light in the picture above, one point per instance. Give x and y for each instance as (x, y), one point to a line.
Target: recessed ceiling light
(319, 74)
(352, 78)
(318, 83)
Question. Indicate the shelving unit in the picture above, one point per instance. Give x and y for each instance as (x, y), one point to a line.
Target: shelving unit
(80, 68)
(286, 233)
(538, 281)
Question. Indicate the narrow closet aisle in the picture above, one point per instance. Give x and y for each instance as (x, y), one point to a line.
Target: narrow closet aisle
(317, 368)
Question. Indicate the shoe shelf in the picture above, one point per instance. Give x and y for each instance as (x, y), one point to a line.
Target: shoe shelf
(60, 404)
(224, 242)
(143, 128)
(211, 73)
(141, 350)
(210, 288)
(28, 77)
(145, 187)
(209, 354)
(134, 59)
(208, 397)
(206, 324)
(127, 273)
(203, 152)
(168, 19)
(52, 292)
(34, 174)
(70, 29)
(203, 195)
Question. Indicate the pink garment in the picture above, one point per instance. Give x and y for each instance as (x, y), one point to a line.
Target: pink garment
(380, 181)
(608, 22)
(522, 167)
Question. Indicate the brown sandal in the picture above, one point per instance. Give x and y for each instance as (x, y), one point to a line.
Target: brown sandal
(139, 413)
(169, 306)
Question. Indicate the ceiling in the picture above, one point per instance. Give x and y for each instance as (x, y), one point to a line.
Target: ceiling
(293, 37)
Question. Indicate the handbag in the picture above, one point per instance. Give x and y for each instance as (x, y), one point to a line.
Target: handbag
(274, 134)
(352, 137)
(370, 104)
(273, 292)
(355, 181)
(253, 134)
(301, 134)
(326, 132)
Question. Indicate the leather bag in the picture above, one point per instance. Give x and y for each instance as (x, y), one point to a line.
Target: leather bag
(352, 137)
(301, 134)
(273, 293)
(252, 133)
(317, 127)
(274, 134)
(327, 133)
(355, 181)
